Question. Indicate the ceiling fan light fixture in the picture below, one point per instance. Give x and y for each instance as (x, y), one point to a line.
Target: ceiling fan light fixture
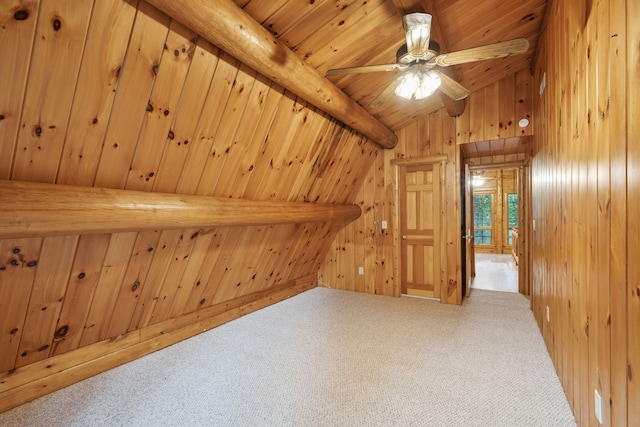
(418, 85)
(417, 27)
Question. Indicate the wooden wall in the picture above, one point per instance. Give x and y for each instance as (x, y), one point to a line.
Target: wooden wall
(115, 94)
(585, 192)
(491, 113)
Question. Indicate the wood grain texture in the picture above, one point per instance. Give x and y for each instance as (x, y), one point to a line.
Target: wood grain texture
(32, 209)
(583, 188)
(35, 380)
(57, 52)
(432, 136)
(235, 32)
(15, 57)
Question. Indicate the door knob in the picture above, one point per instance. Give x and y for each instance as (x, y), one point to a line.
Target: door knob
(404, 237)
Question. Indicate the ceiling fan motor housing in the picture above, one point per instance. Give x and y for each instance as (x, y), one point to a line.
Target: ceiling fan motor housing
(404, 57)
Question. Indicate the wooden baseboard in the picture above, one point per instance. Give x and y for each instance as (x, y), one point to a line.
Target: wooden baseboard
(38, 379)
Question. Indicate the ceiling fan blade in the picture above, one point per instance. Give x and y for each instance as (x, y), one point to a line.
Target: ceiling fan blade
(450, 87)
(490, 51)
(366, 69)
(385, 94)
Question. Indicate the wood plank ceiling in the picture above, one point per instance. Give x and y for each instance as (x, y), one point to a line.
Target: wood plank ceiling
(347, 33)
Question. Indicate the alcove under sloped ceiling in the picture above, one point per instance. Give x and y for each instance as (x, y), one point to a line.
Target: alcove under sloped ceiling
(118, 95)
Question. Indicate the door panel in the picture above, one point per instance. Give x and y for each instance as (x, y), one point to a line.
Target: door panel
(421, 229)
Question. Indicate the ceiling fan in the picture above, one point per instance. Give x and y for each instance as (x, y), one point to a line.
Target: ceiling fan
(420, 56)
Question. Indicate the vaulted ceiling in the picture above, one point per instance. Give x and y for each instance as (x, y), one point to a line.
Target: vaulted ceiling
(345, 33)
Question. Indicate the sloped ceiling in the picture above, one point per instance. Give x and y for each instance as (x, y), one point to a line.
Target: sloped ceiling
(346, 33)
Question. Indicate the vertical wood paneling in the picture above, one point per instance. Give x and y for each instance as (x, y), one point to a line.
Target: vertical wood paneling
(83, 280)
(133, 282)
(49, 288)
(107, 40)
(524, 102)
(147, 106)
(583, 178)
(225, 138)
(138, 75)
(506, 111)
(633, 167)
(432, 135)
(152, 284)
(187, 116)
(17, 273)
(18, 20)
(174, 65)
(492, 111)
(57, 51)
(106, 294)
(171, 281)
(619, 34)
(200, 147)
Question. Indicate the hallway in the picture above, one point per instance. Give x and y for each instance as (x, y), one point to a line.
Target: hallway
(495, 272)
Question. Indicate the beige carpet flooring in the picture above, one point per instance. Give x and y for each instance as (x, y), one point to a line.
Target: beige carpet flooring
(332, 358)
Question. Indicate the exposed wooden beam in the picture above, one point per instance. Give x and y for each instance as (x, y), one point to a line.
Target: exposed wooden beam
(33, 209)
(230, 28)
(454, 108)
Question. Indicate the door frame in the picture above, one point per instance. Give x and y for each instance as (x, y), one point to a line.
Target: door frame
(524, 214)
(398, 163)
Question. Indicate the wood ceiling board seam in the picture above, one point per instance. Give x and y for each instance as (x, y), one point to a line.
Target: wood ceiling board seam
(172, 281)
(509, 25)
(107, 40)
(105, 296)
(15, 293)
(314, 23)
(45, 303)
(225, 135)
(154, 282)
(212, 112)
(163, 102)
(83, 280)
(342, 23)
(347, 42)
(287, 17)
(245, 140)
(282, 124)
(187, 117)
(133, 282)
(136, 83)
(272, 103)
(201, 299)
(18, 37)
(307, 170)
(262, 10)
(189, 281)
(51, 83)
(301, 165)
(237, 32)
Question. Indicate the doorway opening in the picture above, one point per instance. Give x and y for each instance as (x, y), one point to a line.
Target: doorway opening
(495, 206)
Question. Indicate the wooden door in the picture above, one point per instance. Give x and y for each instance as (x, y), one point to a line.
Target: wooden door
(421, 225)
(469, 271)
